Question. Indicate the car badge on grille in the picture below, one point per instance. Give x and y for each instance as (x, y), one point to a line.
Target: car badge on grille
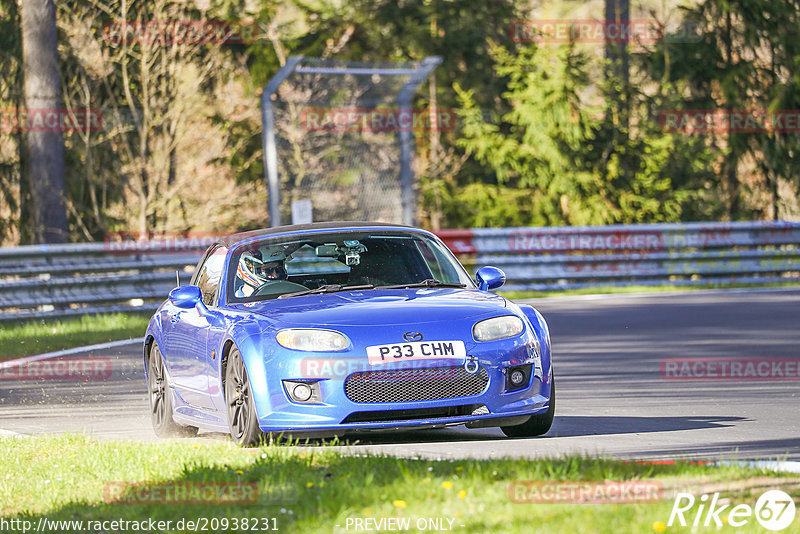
(412, 336)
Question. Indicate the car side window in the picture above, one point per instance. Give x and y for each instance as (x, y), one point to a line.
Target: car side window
(210, 273)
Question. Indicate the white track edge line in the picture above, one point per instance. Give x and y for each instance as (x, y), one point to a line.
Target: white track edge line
(771, 465)
(68, 352)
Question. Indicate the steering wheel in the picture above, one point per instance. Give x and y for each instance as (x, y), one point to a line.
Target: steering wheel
(275, 287)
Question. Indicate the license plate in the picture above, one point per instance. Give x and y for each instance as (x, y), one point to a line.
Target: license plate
(416, 350)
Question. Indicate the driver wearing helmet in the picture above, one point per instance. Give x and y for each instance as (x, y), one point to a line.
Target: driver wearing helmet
(274, 270)
(255, 272)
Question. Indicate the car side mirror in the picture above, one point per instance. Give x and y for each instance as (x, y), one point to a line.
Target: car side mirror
(490, 278)
(186, 297)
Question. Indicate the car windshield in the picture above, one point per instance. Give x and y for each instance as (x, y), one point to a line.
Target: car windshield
(291, 266)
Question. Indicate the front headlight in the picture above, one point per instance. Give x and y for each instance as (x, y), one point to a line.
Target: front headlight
(312, 340)
(498, 328)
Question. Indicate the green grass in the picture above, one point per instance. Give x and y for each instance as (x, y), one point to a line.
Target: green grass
(311, 490)
(608, 290)
(38, 337)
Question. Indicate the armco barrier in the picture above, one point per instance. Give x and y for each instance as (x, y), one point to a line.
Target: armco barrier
(552, 258)
(62, 280)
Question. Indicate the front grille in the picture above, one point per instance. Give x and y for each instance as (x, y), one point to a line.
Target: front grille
(409, 385)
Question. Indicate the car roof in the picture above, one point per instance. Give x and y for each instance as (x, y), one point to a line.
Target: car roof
(233, 239)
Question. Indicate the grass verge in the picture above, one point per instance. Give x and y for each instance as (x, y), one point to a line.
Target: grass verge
(38, 337)
(319, 490)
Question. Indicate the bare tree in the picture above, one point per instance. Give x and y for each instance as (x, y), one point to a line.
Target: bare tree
(45, 146)
(618, 73)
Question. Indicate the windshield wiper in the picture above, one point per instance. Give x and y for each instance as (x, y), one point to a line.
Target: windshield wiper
(327, 288)
(430, 282)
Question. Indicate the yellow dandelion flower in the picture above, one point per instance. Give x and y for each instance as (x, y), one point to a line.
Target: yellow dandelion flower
(426, 480)
(459, 468)
(239, 472)
(367, 511)
(310, 484)
(659, 526)
(399, 503)
(447, 485)
(462, 494)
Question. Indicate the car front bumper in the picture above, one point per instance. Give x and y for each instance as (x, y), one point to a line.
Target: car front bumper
(336, 413)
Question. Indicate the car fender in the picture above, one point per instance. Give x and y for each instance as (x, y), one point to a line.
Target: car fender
(249, 336)
(542, 332)
(153, 334)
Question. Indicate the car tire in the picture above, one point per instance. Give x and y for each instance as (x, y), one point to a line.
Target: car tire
(538, 424)
(241, 409)
(164, 425)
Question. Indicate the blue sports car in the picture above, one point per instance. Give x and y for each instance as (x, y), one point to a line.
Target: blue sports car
(333, 328)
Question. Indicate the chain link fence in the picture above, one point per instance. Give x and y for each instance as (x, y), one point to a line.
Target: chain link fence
(340, 135)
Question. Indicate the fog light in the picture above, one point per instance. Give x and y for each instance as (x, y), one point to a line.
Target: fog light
(517, 377)
(302, 392)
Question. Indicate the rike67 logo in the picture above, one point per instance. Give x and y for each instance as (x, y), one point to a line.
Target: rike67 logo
(774, 510)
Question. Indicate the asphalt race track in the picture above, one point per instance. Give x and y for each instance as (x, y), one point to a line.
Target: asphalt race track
(612, 397)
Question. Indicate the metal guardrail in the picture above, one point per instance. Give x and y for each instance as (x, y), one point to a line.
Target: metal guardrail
(551, 258)
(62, 280)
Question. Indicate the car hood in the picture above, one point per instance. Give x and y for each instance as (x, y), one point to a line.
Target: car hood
(378, 307)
